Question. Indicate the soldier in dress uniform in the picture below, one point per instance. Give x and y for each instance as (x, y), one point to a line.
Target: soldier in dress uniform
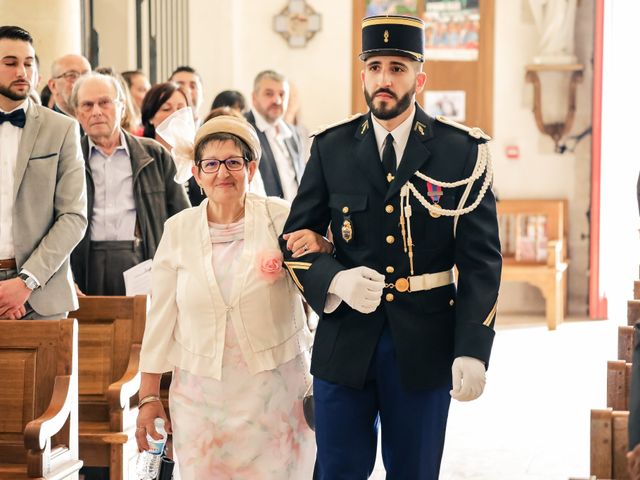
(407, 198)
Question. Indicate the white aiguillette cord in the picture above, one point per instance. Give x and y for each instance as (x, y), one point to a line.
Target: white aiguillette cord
(483, 164)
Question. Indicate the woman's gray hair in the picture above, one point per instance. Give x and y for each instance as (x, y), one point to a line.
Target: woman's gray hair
(73, 101)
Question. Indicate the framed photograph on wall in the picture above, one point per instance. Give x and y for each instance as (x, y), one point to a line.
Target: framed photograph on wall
(453, 30)
(450, 103)
(391, 7)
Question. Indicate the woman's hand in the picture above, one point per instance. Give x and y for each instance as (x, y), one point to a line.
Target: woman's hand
(144, 423)
(306, 241)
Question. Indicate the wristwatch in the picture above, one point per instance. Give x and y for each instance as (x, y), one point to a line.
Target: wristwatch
(30, 282)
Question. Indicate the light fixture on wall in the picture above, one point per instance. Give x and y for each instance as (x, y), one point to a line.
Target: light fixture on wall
(559, 129)
(297, 22)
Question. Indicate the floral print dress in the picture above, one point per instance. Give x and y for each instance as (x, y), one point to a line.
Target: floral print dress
(244, 426)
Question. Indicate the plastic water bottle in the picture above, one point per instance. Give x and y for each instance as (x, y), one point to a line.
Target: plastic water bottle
(148, 463)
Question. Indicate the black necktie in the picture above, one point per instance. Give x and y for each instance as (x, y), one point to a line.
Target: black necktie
(389, 158)
(16, 118)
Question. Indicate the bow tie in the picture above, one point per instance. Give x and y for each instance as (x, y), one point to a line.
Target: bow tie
(16, 118)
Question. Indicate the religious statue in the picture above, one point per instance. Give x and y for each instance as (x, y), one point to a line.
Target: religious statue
(555, 22)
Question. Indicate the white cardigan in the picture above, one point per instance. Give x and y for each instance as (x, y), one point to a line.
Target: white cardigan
(187, 321)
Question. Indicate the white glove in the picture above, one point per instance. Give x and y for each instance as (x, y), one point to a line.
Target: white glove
(468, 378)
(360, 287)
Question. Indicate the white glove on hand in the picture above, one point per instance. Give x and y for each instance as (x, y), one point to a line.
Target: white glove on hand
(360, 287)
(468, 378)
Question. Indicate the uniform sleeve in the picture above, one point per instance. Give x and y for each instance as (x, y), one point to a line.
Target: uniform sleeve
(163, 313)
(313, 272)
(479, 264)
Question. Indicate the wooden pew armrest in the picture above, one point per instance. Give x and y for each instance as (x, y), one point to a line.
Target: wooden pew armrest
(554, 253)
(53, 419)
(120, 392)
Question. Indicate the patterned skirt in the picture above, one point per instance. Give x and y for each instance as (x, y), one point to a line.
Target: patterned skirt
(243, 427)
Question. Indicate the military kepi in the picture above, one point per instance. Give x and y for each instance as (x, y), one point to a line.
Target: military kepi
(393, 35)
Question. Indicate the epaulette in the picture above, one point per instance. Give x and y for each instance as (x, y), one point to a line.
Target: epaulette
(475, 132)
(336, 124)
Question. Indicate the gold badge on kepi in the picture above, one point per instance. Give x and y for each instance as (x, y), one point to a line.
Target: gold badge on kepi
(347, 230)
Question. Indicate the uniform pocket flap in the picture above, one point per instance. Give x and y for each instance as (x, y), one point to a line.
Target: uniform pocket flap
(354, 203)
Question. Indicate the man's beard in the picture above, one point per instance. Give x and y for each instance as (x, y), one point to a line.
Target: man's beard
(4, 91)
(383, 112)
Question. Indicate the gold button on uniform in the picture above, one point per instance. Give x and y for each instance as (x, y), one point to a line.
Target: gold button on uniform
(345, 209)
(388, 209)
(390, 239)
(390, 269)
(389, 297)
(451, 302)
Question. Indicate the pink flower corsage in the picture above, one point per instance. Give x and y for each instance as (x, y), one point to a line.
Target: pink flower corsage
(270, 265)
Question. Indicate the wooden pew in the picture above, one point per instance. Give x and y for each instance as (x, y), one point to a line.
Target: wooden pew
(625, 343)
(618, 384)
(609, 441)
(39, 399)
(110, 336)
(550, 274)
(636, 290)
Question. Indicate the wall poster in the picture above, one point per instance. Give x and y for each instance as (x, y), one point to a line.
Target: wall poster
(453, 30)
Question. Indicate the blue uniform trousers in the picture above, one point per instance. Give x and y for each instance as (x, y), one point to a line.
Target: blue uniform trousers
(413, 424)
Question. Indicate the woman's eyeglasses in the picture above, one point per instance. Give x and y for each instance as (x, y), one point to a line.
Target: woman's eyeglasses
(211, 165)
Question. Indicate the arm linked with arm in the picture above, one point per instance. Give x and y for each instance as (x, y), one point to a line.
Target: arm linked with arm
(313, 272)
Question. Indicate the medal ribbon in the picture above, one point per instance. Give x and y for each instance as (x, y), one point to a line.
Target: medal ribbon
(434, 192)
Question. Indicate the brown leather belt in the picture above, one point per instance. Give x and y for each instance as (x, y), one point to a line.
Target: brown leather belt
(8, 264)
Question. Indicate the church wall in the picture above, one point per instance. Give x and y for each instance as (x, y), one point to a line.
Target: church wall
(540, 172)
(233, 40)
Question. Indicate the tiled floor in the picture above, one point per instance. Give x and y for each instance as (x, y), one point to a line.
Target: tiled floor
(532, 422)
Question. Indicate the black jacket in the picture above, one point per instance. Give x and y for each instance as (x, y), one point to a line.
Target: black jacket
(429, 328)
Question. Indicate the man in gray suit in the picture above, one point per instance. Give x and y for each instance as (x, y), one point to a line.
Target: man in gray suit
(42, 193)
(281, 164)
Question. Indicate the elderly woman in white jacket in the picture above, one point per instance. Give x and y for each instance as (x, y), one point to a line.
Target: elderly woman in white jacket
(230, 325)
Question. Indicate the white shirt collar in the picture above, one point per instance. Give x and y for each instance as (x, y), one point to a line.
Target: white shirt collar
(261, 124)
(400, 133)
(24, 106)
(123, 146)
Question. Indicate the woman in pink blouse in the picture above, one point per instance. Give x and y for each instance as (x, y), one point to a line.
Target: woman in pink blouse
(230, 324)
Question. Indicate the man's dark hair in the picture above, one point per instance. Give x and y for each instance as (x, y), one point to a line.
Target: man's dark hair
(229, 98)
(15, 33)
(185, 68)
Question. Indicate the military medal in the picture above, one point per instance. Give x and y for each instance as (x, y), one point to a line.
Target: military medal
(434, 192)
(347, 230)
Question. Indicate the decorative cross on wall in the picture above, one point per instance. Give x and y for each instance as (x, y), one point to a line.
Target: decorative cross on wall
(297, 23)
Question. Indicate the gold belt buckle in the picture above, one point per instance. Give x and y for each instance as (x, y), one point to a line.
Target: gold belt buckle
(402, 285)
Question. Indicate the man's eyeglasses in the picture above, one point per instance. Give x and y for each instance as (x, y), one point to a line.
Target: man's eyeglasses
(70, 76)
(211, 165)
(103, 103)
